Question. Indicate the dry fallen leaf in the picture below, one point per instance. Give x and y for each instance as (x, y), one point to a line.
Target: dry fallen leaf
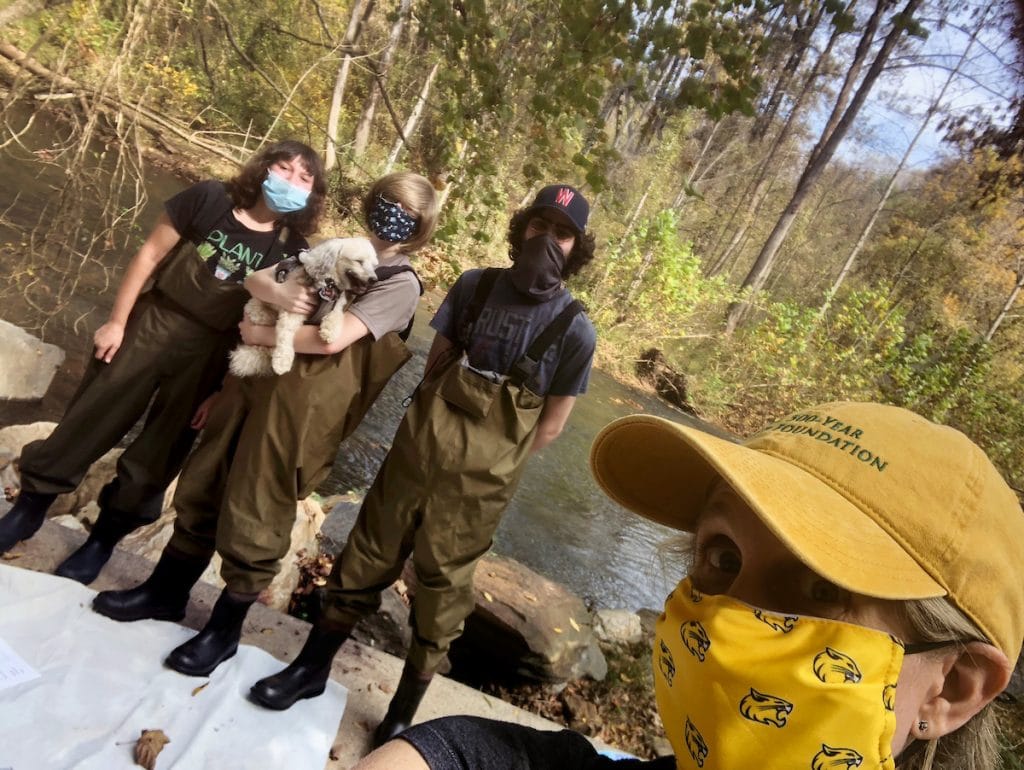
(199, 689)
(574, 624)
(488, 597)
(149, 745)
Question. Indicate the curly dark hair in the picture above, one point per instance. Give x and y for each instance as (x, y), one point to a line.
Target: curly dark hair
(245, 188)
(582, 249)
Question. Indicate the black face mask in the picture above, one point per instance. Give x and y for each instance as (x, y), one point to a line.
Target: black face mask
(537, 271)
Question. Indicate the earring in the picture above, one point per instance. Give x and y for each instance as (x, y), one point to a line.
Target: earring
(922, 726)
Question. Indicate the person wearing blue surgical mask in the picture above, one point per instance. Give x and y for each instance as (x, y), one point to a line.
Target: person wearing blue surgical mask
(168, 345)
(271, 441)
(287, 187)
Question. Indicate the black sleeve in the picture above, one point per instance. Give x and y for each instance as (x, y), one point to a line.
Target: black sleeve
(196, 209)
(294, 244)
(474, 743)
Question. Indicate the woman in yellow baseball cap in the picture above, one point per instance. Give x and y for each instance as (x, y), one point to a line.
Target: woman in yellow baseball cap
(855, 599)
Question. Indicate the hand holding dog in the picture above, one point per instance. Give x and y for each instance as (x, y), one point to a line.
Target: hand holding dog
(294, 296)
(107, 340)
(256, 334)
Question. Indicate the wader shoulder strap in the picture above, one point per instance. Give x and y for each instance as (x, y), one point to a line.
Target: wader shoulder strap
(526, 366)
(476, 306)
(387, 271)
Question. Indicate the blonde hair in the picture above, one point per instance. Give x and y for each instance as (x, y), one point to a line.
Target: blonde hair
(975, 745)
(417, 197)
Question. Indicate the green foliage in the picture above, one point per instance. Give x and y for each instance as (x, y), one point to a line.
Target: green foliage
(642, 103)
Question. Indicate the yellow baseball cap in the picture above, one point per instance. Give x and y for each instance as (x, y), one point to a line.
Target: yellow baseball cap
(875, 498)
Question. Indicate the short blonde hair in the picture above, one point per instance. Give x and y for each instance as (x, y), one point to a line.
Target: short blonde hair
(975, 745)
(417, 196)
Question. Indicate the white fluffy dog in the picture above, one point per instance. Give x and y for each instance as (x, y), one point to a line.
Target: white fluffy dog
(335, 268)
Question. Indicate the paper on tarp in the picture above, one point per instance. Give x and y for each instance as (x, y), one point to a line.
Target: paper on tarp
(102, 682)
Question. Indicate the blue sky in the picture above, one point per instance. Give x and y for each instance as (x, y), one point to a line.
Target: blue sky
(895, 109)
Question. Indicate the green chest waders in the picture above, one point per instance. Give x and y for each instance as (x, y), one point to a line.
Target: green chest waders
(270, 442)
(174, 354)
(187, 283)
(454, 466)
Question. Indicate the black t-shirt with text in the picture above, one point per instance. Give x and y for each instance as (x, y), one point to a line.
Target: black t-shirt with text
(203, 215)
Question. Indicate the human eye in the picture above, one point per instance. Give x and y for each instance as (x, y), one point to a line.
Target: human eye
(825, 598)
(717, 560)
(563, 233)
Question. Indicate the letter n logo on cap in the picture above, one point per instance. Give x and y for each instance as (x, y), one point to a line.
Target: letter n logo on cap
(564, 197)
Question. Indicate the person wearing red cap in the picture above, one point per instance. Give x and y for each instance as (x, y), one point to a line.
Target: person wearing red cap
(512, 351)
(855, 599)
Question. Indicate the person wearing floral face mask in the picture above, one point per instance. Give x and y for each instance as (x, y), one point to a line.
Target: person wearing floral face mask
(511, 354)
(272, 440)
(855, 599)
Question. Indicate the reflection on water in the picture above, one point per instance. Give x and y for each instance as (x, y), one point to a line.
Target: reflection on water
(559, 524)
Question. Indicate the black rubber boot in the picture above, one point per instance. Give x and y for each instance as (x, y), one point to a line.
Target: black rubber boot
(24, 518)
(218, 640)
(163, 595)
(85, 563)
(111, 526)
(411, 689)
(307, 675)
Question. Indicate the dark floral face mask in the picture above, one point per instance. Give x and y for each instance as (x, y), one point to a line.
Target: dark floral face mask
(390, 222)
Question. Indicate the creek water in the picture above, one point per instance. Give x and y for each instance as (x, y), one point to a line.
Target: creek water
(559, 523)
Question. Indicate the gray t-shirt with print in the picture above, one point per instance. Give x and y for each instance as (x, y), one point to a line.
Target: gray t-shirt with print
(389, 305)
(508, 324)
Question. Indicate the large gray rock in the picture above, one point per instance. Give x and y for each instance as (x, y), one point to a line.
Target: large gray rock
(27, 364)
(527, 625)
(618, 626)
(76, 502)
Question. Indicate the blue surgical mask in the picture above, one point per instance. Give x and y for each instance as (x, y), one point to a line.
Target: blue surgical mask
(282, 196)
(390, 222)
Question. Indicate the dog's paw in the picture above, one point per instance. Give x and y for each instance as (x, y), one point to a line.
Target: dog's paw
(330, 327)
(248, 361)
(281, 359)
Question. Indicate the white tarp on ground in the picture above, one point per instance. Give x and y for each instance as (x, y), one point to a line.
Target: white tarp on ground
(102, 682)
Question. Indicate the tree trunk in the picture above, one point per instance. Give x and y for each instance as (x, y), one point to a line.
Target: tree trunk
(362, 137)
(693, 176)
(355, 21)
(414, 117)
(1014, 292)
(820, 157)
(802, 43)
(761, 185)
(870, 224)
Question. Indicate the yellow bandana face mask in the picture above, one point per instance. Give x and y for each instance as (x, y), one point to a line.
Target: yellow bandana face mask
(738, 687)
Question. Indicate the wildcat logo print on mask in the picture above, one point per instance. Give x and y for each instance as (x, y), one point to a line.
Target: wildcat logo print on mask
(736, 685)
(766, 709)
